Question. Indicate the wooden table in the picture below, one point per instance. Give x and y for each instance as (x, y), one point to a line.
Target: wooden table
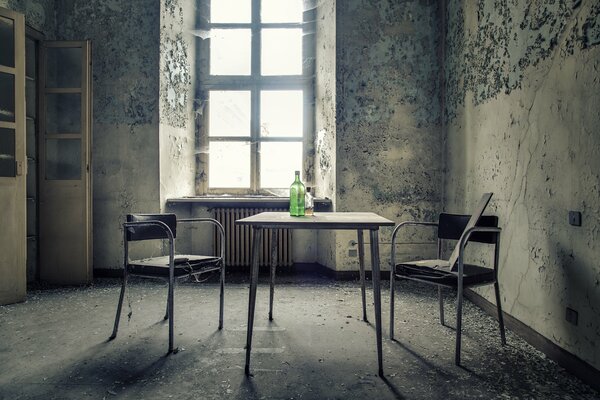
(358, 221)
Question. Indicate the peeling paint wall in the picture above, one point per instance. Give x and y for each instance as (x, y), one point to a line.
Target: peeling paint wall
(389, 142)
(125, 152)
(176, 115)
(522, 107)
(39, 14)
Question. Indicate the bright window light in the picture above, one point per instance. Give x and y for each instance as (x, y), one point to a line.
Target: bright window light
(230, 11)
(229, 165)
(229, 113)
(278, 161)
(230, 51)
(281, 11)
(281, 113)
(281, 52)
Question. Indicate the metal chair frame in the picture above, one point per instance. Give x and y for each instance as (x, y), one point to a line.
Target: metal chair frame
(171, 279)
(466, 235)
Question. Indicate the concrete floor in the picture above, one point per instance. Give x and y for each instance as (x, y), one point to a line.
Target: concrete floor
(54, 347)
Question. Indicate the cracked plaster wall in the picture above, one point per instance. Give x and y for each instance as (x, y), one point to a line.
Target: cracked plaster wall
(125, 150)
(522, 105)
(388, 119)
(325, 127)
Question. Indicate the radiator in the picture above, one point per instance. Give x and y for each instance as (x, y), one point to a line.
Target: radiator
(238, 239)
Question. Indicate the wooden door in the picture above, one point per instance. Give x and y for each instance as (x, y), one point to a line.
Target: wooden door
(13, 166)
(65, 222)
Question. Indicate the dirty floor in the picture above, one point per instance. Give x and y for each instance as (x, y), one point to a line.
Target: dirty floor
(54, 346)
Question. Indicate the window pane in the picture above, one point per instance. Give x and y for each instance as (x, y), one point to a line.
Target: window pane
(281, 113)
(281, 52)
(7, 98)
(7, 152)
(7, 38)
(281, 11)
(230, 11)
(229, 165)
(278, 161)
(63, 159)
(30, 98)
(30, 58)
(229, 113)
(230, 51)
(63, 113)
(63, 67)
(31, 138)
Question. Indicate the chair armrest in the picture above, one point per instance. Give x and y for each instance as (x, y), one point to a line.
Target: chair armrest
(465, 238)
(210, 221)
(160, 224)
(396, 229)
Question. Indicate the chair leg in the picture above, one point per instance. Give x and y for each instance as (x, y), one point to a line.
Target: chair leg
(361, 264)
(441, 301)
(170, 311)
(459, 304)
(166, 310)
(500, 315)
(119, 307)
(392, 295)
(222, 296)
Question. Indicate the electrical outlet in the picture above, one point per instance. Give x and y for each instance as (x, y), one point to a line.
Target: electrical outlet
(352, 252)
(575, 218)
(572, 316)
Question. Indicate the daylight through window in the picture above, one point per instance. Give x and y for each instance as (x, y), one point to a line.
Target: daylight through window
(256, 94)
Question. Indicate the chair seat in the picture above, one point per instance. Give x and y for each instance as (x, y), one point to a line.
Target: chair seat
(472, 274)
(184, 265)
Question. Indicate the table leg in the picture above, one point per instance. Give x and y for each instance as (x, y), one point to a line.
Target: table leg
(256, 238)
(273, 268)
(361, 263)
(377, 294)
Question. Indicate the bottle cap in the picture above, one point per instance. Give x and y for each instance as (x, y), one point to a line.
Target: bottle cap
(308, 188)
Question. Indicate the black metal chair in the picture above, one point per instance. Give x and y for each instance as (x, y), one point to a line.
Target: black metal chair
(170, 268)
(452, 227)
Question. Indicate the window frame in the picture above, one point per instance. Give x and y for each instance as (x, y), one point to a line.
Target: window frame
(254, 83)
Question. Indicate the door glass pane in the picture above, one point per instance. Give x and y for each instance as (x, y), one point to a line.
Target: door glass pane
(281, 11)
(229, 165)
(63, 159)
(63, 113)
(230, 51)
(7, 40)
(30, 139)
(230, 11)
(7, 152)
(229, 113)
(281, 113)
(278, 161)
(30, 58)
(30, 98)
(281, 52)
(63, 67)
(7, 97)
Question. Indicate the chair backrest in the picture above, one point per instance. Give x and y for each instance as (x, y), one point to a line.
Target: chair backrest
(452, 226)
(148, 232)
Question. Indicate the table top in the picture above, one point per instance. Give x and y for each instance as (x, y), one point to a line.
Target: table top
(321, 220)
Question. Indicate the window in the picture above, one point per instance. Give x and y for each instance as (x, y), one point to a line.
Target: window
(255, 95)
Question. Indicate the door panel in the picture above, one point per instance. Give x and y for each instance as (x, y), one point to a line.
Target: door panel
(65, 181)
(12, 158)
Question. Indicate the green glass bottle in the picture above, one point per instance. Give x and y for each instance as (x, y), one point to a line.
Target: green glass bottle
(297, 197)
